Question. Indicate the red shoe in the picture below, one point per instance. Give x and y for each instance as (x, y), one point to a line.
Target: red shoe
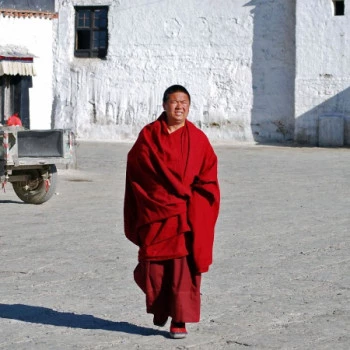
(178, 330)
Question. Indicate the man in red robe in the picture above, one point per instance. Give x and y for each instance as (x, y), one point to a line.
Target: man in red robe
(170, 209)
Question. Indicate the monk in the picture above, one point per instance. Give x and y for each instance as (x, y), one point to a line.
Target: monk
(170, 209)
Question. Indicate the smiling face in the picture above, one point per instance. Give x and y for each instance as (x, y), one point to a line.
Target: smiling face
(176, 108)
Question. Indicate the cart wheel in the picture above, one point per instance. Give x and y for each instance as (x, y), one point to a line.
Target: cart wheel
(39, 188)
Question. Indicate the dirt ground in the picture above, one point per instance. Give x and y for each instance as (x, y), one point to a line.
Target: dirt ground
(280, 278)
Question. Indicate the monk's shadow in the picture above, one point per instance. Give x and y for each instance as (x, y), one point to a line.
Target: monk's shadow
(43, 315)
(9, 201)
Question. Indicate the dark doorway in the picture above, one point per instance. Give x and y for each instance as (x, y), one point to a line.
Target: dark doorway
(14, 98)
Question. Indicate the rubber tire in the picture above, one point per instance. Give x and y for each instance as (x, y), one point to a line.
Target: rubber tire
(37, 195)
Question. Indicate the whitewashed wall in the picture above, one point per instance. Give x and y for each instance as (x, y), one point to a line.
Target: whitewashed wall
(237, 59)
(36, 36)
(322, 66)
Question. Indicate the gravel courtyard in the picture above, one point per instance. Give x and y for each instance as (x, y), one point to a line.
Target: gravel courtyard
(280, 278)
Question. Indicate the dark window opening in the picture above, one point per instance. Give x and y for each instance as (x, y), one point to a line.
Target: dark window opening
(91, 31)
(83, 40)
(339, 7)
(14, 98)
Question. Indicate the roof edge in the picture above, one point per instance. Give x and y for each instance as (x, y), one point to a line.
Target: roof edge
(28, 14)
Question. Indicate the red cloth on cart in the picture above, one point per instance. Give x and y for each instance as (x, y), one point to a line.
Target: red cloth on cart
(14, 120)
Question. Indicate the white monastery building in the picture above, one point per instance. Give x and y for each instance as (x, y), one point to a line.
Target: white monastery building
(257, 70)
(26, 61)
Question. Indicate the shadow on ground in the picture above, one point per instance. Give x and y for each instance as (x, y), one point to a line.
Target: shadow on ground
(7, 201)
(43, 315)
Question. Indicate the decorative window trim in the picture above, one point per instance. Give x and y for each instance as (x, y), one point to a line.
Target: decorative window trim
(13, 65)
(28, 14)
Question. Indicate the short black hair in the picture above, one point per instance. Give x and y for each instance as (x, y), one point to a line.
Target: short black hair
(175, 88)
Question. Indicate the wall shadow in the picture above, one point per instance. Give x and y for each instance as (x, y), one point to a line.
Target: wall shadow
(273, 70)
(47, 316)
(307, 124)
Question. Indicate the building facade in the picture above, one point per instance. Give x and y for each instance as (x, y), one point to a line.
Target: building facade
(26, 62)
(257, 70)
(322, 74)
(236, 58)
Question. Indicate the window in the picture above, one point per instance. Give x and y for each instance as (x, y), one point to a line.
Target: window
(339, 7)
(91, 31)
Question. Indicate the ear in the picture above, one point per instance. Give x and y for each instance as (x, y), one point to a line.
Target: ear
(164, 105)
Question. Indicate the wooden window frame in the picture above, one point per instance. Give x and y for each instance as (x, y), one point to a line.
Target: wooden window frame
(91, 38)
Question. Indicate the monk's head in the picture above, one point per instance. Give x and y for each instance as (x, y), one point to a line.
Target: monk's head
(175, 88)
(176, 104)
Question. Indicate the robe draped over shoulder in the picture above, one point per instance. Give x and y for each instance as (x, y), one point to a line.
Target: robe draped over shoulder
(172, 194)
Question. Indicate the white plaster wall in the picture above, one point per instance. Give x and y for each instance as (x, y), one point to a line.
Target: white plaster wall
(207, 47)
(322, 66)
(35, 35)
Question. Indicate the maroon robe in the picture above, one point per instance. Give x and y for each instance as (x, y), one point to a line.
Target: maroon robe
(170, 210)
